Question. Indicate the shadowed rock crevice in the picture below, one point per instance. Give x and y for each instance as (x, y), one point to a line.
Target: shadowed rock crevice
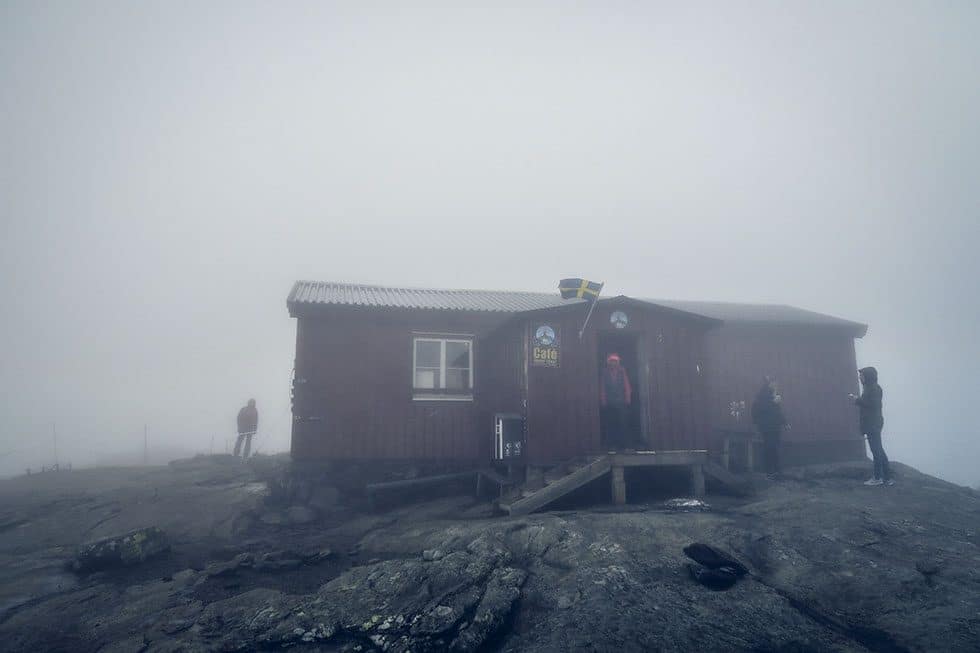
(871, 638)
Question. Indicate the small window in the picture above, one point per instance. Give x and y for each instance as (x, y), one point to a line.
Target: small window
(443, 368)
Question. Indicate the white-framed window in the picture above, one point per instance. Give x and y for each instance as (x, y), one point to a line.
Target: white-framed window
(442, 367)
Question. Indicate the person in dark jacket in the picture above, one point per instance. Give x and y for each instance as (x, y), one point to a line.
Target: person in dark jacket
(872, 422)
(615, 396)
(767, 415)
(248, 424)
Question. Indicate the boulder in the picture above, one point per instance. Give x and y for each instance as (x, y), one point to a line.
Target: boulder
(130, 548)
(431, 555)
(466, 601)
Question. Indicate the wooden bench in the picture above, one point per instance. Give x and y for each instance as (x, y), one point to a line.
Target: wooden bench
(742, 438)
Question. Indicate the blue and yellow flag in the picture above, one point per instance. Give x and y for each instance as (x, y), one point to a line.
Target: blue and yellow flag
(579, 288)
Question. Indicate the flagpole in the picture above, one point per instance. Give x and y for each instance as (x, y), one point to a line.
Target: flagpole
(591, 308)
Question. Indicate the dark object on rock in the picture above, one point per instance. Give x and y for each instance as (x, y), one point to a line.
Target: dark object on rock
(131, 548)
(718, 579)
(713, 558)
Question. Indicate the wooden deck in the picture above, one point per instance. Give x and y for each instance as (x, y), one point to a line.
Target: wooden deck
(577, 474)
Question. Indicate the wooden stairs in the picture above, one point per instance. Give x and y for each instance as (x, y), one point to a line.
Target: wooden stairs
(542, 489)
(737, 484)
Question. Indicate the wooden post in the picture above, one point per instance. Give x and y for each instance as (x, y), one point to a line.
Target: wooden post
(750, 453)
(618, 485)
(726, 453)
(697, 481)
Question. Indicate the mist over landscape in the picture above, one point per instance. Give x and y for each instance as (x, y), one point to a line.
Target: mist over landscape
(167, 171)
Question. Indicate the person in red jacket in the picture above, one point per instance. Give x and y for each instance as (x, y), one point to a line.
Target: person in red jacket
(615, 397)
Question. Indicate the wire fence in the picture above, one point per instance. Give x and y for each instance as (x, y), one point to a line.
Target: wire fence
(55, 451)
(36, 448)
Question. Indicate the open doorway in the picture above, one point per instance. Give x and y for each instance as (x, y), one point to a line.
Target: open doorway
(622, 427)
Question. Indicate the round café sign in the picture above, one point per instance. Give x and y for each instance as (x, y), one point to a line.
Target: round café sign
(619, 320)
(545, 347)
(544, 335)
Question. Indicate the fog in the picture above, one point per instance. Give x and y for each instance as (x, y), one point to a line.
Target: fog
(167, 170)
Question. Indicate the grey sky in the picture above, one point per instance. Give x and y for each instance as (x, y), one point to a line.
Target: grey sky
(168, 169)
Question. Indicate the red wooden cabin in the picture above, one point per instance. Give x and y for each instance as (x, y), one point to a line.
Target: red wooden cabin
(394, 374)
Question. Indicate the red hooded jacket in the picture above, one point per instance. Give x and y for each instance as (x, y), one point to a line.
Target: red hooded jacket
(614, 386)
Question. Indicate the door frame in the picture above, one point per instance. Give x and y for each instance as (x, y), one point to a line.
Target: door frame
(641, 373)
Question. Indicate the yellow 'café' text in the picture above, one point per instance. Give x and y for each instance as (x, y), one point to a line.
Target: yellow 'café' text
(545, 354)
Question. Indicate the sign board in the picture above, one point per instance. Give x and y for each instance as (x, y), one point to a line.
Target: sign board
(545, 346)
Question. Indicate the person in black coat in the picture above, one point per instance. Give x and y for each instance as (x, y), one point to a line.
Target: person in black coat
(872, 422)
(767, 415)
(248, 424)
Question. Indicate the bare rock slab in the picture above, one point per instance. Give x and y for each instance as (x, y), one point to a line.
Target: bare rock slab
(124, 550)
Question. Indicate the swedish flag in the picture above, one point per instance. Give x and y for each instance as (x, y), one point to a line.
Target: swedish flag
(579, 288)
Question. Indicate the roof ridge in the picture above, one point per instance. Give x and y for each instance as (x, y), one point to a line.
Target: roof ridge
(374, 286)
(517, 301)
(719, 301)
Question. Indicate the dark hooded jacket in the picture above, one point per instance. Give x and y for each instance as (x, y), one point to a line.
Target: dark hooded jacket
(767, 415)
(248, 419)
(870, 401)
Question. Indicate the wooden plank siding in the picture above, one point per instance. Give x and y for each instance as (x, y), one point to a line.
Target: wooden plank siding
(563, 403)
(501, 386)
(355, 399)
(814, 369)
(353, 394)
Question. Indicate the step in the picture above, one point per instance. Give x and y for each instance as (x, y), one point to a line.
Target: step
(534, 500)
(738, 485)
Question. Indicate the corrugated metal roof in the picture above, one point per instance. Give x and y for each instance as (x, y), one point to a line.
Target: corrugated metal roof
(351, 294)
(757, 313)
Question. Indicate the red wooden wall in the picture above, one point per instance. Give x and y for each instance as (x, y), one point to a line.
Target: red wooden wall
(814, 369)
(354, 383)
(354, 389)
(563, 403)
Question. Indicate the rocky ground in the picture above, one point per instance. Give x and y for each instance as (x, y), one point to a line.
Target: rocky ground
(833, 566)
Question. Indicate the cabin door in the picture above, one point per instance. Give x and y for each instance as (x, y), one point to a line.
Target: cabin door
(623, 427)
